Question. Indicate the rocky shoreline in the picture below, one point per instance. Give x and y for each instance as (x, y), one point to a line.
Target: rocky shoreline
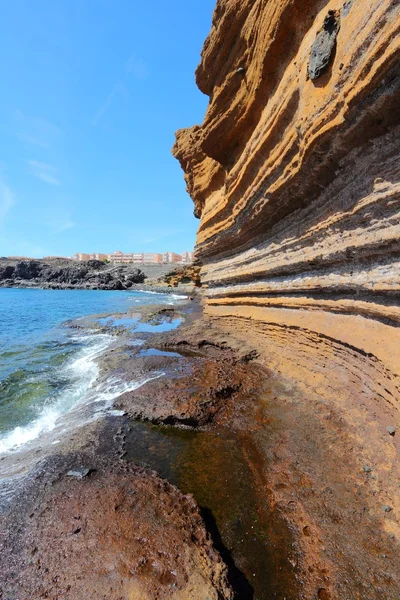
(90, 524)
(137, 536)
(262, 458)
(90, 275)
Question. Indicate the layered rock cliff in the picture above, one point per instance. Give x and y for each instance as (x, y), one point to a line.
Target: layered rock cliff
(295, 176)
(295, 171)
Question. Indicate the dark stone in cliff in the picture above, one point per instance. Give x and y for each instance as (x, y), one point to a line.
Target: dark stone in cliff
(324, 46)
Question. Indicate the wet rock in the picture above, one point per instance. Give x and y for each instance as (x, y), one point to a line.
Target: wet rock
(324, 46)
(199, 390)
(391, 430)
(84, 536)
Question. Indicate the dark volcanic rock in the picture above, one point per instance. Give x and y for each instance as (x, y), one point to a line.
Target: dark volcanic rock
(324, 45)
(121, 533)
(92, 274)
(27, 270)
(6, 272)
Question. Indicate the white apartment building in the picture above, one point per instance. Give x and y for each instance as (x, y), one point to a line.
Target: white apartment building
(135, 257)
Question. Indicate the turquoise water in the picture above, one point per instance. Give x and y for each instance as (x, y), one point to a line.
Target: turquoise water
(47, 368)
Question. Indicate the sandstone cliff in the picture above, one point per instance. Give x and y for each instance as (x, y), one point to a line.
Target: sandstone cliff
(295, 170)
(295, 176)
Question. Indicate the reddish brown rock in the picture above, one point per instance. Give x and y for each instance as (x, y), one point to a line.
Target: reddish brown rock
(197, 390)
(118, 532)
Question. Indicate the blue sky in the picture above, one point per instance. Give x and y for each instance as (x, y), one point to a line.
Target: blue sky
(93, 91)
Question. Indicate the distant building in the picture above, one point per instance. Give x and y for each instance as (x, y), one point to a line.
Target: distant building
(81, 256)
(171, 257)
(119, 257)
(135, 257)
(123, 258)
(187, 257)
(152, 258)
(98, 256)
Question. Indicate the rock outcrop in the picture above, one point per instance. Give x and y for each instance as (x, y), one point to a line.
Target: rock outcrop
(92, 274)
(187, 276)
(295, 171)
(117, 532)
(295, 176)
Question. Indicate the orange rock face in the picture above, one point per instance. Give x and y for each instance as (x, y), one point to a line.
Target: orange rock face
(295, 175)
(295, 170)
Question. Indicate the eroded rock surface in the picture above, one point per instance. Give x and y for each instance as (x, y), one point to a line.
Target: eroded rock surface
(295, 176)
(296, 180)
(120, 532)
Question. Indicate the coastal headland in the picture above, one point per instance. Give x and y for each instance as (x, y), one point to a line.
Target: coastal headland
(66, 274)
(260, 458)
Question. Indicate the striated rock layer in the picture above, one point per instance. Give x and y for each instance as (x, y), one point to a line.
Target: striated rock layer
(295, 176)
(295, 172)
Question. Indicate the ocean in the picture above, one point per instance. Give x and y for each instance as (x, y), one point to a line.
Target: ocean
(48, 370)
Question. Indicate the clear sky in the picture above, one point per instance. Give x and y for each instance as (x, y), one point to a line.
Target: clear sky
(92, 93)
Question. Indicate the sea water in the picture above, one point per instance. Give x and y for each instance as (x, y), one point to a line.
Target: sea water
(49, 370)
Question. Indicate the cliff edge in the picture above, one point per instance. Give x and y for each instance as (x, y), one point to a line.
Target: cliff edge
(295, 170)
(295, 176)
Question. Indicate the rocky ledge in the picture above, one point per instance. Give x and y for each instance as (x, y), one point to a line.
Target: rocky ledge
(110, 530)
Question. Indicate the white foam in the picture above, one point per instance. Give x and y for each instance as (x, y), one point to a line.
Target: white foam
(175, 296)
(74, 403)
(146, 292)
(83, 371)
(117, 413)
(22, 435)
